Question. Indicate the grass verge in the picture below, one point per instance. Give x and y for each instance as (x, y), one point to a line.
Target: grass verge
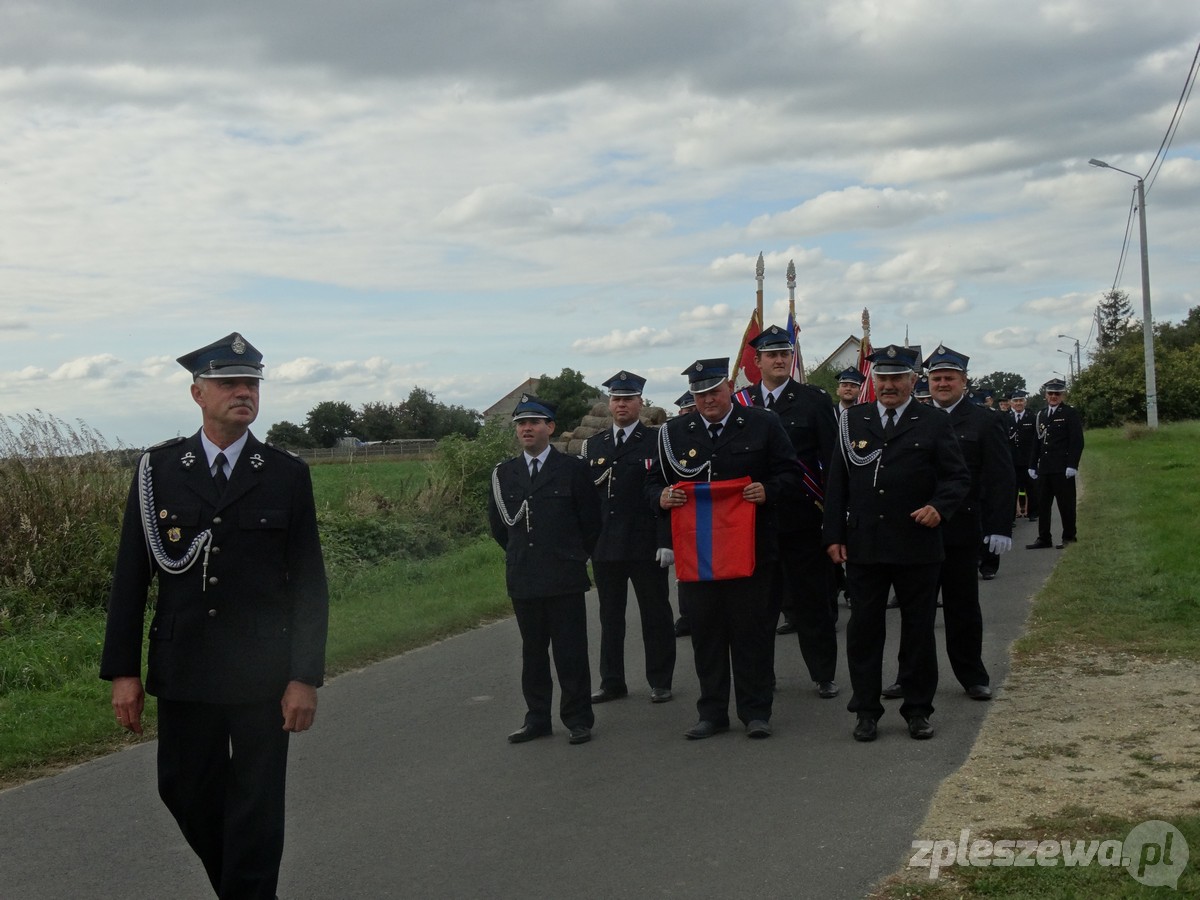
(54, 710)
(1128, 587)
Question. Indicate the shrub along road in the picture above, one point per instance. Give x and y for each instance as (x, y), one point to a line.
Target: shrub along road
(406, 787)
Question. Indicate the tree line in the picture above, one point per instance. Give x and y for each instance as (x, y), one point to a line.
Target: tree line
(1111, 390)
(420, 416)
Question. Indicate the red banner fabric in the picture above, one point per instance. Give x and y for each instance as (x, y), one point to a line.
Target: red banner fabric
(713, 532)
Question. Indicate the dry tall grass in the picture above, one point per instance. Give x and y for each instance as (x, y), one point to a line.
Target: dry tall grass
(62, 489)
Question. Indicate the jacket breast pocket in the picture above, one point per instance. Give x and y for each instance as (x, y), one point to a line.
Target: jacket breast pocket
(178, 523)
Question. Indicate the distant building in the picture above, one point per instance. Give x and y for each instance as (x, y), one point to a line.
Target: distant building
(845, 356)
(503, 408)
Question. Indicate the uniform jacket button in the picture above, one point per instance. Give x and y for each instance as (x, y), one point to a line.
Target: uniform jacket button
(212, 579)
(216, 520)
(212, 613)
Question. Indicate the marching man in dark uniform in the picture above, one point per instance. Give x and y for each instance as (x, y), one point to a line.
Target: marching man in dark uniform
(1056, 454)
(850, 382)
(544, 511)
(898, 474)
(237, 643)
(984, 518)
(1022, 437)
(804, 576)
(630, 548)
(732, 619)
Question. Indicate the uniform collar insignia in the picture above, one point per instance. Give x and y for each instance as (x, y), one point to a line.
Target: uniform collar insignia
(256, 461)
(187, 459)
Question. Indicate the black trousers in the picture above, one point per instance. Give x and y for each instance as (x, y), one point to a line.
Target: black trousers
(652, 589)
(806, 580)
(962, 617)
(916, 589)
(558, 622)
(1030, 487)
(1056, 488)
(222, 769)
(733, 628)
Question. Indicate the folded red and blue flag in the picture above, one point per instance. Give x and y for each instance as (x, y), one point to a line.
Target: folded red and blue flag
(713, 533)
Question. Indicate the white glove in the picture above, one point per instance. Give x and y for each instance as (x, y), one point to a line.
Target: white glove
(1033, 474)
(664, 557)
(1071, 473)
(997, 544)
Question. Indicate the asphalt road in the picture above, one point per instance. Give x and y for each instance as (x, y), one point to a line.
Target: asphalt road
(407, 788)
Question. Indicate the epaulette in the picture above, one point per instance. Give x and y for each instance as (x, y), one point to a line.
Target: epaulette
(169, 442)
(283, 451)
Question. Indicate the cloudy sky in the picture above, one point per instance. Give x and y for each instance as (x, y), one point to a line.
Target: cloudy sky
(461, 195)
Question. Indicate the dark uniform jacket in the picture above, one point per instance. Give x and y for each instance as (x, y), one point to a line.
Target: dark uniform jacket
(631, 529)
(547, 548)
(868, 507)
(239, 629)
(1022, 438)
(752, 443)
(987, 508)
(1059, 443)
(811, 425)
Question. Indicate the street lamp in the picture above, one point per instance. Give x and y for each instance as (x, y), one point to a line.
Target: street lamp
(1147, 319)
(1078, 361)
(1070, 364)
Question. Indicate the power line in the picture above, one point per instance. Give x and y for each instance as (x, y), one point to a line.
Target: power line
(1173, 127)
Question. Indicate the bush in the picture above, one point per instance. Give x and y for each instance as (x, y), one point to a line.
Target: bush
(63, 490)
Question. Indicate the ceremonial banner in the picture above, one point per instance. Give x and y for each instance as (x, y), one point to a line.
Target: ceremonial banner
(713, 532)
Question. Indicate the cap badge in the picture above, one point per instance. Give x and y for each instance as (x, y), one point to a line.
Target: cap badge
(941, 349)
(774, 329)
(624, 376)
(238, 346)
(524, 398)
(699, 367)
(891, 352)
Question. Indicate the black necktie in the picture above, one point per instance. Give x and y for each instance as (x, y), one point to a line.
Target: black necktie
(219, 476)
(889, 427)
(770, 401)
(621, 438)
(533, 469)
(715, 430)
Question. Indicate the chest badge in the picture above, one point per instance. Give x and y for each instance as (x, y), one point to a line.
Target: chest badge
(173, 535)
(692, 452)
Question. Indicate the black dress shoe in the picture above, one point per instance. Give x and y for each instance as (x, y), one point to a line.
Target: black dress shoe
(1039, 545)
(580, 734)
(660, 695)
(987, 576)
(866, 729)
(529, 733)
(1064, 543)
(682, 628)
(1033, 518)
(893, 692)
(605, 694)
(827, 689)
(704, 729)
(979, 692)
(758, 728)
(919, 728)
(786, 628)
